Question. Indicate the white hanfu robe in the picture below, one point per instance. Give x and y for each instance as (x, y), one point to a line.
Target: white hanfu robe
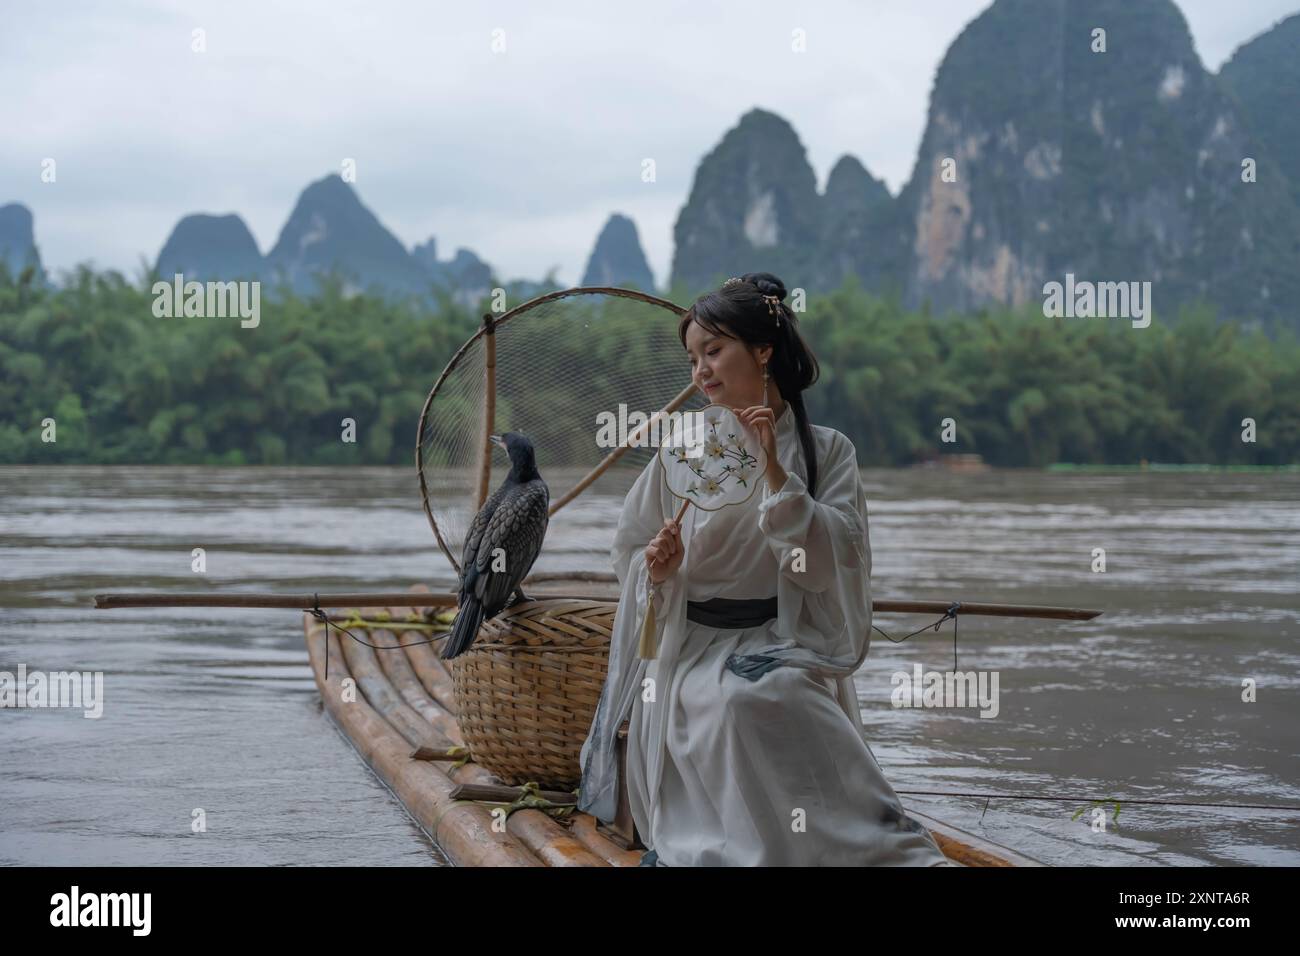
(724, 770)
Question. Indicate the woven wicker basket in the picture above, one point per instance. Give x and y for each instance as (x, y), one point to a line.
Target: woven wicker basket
(527, 690)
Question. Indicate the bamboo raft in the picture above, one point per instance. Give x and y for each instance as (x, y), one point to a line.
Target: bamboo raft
(404, 713)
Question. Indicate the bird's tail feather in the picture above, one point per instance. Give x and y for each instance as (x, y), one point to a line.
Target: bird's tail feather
(464, 629)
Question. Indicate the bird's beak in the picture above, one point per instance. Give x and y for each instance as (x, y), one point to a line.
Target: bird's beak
(498, 441)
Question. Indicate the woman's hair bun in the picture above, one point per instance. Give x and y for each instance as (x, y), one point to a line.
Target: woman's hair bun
(767, 283)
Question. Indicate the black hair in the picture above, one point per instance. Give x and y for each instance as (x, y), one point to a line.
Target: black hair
(739, 311)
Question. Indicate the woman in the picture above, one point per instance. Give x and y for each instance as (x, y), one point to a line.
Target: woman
(745, 744)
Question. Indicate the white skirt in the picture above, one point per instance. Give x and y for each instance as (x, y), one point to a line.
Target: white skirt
(769, 772)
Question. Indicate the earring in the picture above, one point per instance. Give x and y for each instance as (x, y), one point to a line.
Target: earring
(765, 385)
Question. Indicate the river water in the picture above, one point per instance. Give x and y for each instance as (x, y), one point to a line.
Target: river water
(213, 749)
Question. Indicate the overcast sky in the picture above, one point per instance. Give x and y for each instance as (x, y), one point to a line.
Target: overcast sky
(519, 155)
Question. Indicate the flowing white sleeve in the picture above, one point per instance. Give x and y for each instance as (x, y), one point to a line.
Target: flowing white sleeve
(641, 519)
(824, 552)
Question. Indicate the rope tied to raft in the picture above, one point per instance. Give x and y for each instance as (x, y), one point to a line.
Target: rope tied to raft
(457, 749)
(321, 616)
(356, 620)
(530, 798)
(954, 609)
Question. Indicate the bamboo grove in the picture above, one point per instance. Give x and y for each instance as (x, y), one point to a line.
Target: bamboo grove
(1021, 389)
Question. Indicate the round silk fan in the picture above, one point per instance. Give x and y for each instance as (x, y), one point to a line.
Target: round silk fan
(594, 377)
(710, 462)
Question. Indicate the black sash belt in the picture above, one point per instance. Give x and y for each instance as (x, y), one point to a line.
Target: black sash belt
(730, 613)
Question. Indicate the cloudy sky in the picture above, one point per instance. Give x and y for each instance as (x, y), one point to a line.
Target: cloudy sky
(520, 154)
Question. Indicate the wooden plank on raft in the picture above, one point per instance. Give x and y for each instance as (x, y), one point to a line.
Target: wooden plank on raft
(363, 662)
(550, 842)
(433, 676)
(464, 831)
(397, 667)
(428, 667)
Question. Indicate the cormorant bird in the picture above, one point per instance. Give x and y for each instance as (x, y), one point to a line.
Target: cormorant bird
(514, 519)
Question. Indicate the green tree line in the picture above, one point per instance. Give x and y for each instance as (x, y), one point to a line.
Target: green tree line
(1021, 389)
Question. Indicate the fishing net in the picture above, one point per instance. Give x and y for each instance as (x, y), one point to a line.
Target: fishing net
(577, 372)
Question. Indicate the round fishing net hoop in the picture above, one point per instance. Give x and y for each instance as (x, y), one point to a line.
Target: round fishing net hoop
(592, 376)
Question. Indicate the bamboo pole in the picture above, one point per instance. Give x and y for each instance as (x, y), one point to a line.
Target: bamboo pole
(966, 848)
(300, 602)
(363, 664)
(489, 407)
(433, 676)
(617, 453)
(986, 610)
(297, 602)
(402, 676)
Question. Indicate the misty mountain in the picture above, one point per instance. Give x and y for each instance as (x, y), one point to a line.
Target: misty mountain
(753, 206)
(1123, 165)
(617, 259)
(329, 229)
(18, 240)
(1264, 76)
(204, 247)
(465, 276)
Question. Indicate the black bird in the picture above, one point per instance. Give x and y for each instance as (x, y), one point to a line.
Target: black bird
(514, 519)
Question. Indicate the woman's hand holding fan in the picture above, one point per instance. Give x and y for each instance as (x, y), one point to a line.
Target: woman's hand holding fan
(664, 553)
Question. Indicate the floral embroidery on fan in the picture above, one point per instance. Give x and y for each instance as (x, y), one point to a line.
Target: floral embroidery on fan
(725, 458)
